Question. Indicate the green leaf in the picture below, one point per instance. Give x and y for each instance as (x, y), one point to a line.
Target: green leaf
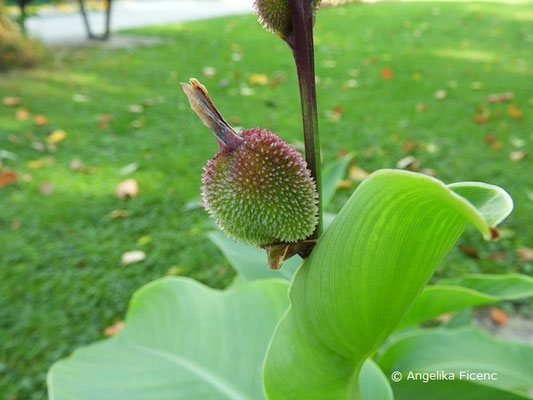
(442, 390)
(509, 286)
(331, 175)
(459, 350)
(362, 277)
(374, 383)
(181, 340)
(251, 262)
(469, 291)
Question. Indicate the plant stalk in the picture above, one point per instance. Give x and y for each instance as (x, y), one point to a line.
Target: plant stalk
(300, 41)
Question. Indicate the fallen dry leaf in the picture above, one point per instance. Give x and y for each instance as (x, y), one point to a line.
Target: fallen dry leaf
(104, 120)
(499, 316)
(440, 94)
(131, 257)
(445, 317)
(498, 255)
(469, 251)
(56, 136)
(76, 164)
(126, 189)
(26, 178)
(516, 156)
(128, 169)
(408, 162)
(40, 120)
(137, 124)
(42, 162)
(525, 253)
(119, 214)
(258, 79)
(136, 109)
(429, 172)
(22, 114)
(112, 330)
(46, 188)
(357, 174)
(350, 83)
(386, 73)
(209, 72)
(421, 107)
(335, 114)
(10, 101)
(500, 97)
(7, 177)
(344, 184)
(493, 142)
(515, 112)
(482, 116)
(517, 142)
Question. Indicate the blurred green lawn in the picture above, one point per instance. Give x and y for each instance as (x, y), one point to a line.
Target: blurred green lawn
(61, 282)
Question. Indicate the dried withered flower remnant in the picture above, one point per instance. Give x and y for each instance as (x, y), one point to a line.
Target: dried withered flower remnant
(275, 15)
(257, 187)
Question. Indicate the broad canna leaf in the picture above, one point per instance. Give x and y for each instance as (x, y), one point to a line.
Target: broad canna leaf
(374, 383)
(460, 351)
(455, 390)
(251, 262)
(363, 276)
(333, 173)
(181, 340)
(469, 291)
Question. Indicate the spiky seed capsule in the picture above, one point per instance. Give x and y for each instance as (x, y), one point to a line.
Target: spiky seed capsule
(275, 15)
(257, 187)
(261, 192)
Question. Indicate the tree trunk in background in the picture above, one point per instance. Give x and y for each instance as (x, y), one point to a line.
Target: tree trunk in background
(15, 49)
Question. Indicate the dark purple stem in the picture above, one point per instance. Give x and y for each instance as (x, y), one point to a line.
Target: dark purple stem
(301, 42)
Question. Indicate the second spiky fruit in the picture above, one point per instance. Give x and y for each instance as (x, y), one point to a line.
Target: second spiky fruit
(275, 15)
(257, 187)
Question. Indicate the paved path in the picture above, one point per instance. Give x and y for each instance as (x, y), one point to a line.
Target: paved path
(66, 28)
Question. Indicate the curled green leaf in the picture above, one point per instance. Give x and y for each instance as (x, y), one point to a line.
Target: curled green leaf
(363, 276)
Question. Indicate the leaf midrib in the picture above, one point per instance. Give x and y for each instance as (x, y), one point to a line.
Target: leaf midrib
(201, 372)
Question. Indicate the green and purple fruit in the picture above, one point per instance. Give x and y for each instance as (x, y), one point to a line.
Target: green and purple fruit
(257, 187)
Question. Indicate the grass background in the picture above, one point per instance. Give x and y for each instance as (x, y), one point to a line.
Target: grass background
(61, 282)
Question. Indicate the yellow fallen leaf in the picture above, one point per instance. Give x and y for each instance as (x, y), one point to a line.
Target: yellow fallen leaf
(344, 184)
(40, 120)
(515, 112)
(357, 174)
(56, 136)
(22, 114)
(258, 79)
(41, 162)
